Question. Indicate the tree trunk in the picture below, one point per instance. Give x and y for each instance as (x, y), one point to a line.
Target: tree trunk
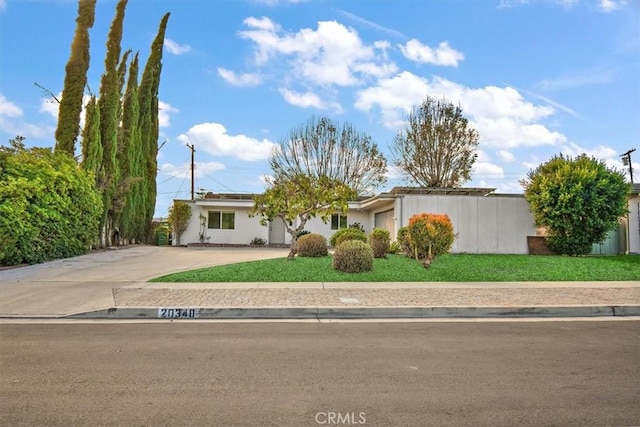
(294, 247)
(429, 259)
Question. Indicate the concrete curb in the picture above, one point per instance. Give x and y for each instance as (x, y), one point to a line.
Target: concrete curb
(357, 312)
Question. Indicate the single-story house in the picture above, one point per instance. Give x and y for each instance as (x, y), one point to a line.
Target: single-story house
(484, 221)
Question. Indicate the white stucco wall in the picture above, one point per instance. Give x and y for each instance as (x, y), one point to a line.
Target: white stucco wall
(491, 224)
(245, 228)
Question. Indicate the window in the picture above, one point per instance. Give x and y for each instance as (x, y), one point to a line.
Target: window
(219, 220)
(338, 221)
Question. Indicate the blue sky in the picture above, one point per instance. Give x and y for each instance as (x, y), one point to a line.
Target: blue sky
(535, 78)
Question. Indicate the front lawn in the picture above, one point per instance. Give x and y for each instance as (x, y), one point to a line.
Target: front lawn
(446, 268)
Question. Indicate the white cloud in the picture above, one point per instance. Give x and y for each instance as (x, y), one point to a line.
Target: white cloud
(506, 156)
(8, 108)
(443, 55)
(308, 100)
(611, 5)
(502, 116)
(511, 3)
(370, 24)
(175, 48)
(600, 152)
(214, 139)
(242, 80)
(262, 23)
(395, 96)
(572, 81)
(51, 106)
(553, 103)
(3, 5)
(12, 122)
(164, 109)
(487, 170)
(330, 55)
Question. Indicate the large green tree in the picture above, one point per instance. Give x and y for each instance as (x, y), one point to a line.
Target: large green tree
(297, 199)
(437, 146)
(49, 208)
(149, 128)
(321, 148)
(579, 200)
(91, 145)
(75, 80)
(132, 166)
(109, 105)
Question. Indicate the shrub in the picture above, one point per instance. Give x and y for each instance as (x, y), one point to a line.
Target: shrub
(345, 234)
(357, 226)
(394, 247)
(312, 245)
(404, 241)
(380, 240)
(49, 207)
(353, 256)
(258, 241)
(302, 233)
(179, 216)
(430, 235)
(579, 200)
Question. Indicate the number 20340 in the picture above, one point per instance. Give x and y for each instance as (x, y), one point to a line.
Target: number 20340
(178, 313)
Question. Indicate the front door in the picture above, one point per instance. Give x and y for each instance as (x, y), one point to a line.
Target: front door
(276, 232)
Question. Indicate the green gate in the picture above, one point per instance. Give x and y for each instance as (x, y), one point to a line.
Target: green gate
(611, 245)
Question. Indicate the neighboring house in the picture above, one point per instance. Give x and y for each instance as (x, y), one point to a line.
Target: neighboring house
(632, 223)
(627, 235)
(485, 222)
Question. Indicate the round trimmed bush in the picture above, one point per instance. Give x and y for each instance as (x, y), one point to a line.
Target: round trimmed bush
(312, 245)
(345, 234)
(353, 256)
(380, 240)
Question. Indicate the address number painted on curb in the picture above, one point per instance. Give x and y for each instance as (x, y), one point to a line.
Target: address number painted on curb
(178, 313)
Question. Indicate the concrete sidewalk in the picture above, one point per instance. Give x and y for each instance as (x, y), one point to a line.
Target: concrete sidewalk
(113, 284)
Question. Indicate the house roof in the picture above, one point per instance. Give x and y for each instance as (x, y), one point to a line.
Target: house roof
(438, 191)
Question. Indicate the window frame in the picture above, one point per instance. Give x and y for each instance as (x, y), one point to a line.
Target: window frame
(221, 220)
(340, 219)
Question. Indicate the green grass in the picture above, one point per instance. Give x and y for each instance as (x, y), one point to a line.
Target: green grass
(446, 268)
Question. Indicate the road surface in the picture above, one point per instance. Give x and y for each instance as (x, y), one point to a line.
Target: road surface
(297, 374)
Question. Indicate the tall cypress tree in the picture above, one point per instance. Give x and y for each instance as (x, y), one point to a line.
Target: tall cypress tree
(109, 104)
(75, 80)
(148, 94)
(91, 145)
(132, 167)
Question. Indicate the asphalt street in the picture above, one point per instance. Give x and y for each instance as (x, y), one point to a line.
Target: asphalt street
(297, 374)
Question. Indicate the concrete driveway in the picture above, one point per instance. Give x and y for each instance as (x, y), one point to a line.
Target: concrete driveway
(86, 282)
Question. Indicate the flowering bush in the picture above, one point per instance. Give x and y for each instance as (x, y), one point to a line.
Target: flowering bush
(430, 235)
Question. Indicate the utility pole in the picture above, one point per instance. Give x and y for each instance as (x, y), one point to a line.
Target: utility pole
(193, 150)
(626, 161)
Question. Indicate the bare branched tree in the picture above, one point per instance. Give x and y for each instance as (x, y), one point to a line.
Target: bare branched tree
(437, 147)
(322, 148)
